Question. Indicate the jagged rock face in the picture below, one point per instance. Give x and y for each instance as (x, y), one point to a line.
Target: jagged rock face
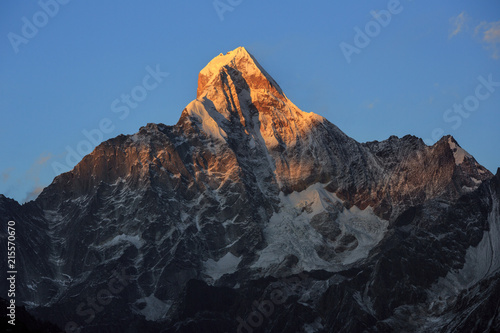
(436, 265)
(32, 247)
(246, 191)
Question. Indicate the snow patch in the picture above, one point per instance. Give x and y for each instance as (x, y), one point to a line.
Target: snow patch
(135, 240)
(484, 259)
(155, 309)
(476, 181)
(225, 265)
(289, 231)
(481, 261)
(313, 327)
(458, 152)
(368, 229)
(197, 111)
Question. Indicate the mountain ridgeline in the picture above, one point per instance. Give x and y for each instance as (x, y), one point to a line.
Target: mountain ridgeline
(250, 215)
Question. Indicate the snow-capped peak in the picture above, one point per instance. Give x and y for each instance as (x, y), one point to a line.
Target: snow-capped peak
(244, 64)
(234, 89)
(216, 64)
(458, 152)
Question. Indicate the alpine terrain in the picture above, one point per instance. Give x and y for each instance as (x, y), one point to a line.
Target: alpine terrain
(250, 215)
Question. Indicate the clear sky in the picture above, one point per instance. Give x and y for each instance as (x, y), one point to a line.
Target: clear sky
(373, 68)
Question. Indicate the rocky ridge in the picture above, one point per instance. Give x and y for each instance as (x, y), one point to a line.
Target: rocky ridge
(243, 194)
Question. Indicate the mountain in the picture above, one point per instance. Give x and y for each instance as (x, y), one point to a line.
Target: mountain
(251, 215)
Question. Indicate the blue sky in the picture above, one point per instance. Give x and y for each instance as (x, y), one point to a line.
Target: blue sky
(61, 70)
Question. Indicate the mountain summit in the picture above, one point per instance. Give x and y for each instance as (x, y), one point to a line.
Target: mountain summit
(238, 60)
(204, 221)
(238, 88)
